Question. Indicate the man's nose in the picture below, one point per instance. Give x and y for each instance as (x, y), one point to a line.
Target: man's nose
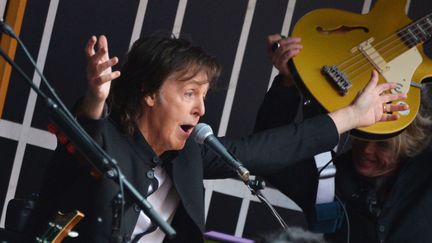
(199, 108)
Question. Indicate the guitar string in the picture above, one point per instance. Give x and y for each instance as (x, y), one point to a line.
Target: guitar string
(411, 43)
(379, 43)
(391, 36)
(407, 42)
(423, 22)
(388, 54)
(366, 65)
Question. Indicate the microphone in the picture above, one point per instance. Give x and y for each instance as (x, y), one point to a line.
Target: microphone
(203, 134)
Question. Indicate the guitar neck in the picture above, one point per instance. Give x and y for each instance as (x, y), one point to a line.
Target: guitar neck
(417, 32)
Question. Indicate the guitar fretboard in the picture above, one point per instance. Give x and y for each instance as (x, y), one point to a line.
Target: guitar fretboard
(417, 32)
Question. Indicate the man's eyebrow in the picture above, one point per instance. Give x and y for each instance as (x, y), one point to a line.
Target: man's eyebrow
(199, 82)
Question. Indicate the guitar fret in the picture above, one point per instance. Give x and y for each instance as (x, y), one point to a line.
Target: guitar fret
(428, 21)
(414, 36)
(428, 26)
(423, 32)
(417, 32)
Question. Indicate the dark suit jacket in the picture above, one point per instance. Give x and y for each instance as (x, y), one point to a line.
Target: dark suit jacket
(69, 185)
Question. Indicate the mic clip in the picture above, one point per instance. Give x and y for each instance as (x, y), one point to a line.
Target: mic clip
(243, 174)
(257, 184)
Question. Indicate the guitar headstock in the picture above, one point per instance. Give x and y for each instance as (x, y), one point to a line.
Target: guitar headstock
(60, 227)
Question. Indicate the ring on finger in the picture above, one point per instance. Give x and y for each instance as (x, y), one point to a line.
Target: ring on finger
(275, 46)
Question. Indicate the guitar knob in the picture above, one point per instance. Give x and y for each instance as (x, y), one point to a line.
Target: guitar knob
(73, 234)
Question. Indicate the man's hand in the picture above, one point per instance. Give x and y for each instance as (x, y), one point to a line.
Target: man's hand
(369, 107)
(288, 48)
(99, 77)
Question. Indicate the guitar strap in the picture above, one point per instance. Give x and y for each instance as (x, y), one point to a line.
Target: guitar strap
(326, 182)
(326, 185)
(328, 212)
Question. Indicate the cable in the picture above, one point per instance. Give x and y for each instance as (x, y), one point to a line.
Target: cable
(338, 153)
(257, 192)
(346, 217)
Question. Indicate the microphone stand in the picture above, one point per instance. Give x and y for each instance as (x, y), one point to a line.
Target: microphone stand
(255, 186)
(84, 143)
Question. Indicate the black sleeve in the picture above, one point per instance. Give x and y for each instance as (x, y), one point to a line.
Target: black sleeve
(283, 146)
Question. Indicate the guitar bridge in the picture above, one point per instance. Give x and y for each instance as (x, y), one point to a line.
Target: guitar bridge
(338, 78)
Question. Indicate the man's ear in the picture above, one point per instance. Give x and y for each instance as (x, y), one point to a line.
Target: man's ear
(150, 100)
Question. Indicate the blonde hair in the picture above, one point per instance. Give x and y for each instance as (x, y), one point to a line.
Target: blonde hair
(416, 137)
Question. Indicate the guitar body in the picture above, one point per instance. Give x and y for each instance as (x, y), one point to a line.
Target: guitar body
(332, 37)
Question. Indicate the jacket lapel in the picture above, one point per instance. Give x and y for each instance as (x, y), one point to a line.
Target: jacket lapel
(187, 177)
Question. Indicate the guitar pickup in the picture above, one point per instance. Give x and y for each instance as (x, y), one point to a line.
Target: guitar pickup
(373, 56)
(338, 78)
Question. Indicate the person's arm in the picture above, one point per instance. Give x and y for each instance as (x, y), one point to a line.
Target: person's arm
(99, 77)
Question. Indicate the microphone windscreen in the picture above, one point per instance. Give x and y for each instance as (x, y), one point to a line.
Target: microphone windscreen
(201, 132)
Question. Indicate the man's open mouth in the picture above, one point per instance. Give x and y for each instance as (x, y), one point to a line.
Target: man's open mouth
(187, 128)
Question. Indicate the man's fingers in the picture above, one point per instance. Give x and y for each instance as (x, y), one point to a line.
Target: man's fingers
(389, 117)
(100, 56)
(89, 48)
(284, 53)
(102, 42)
(386, 86)
(392, 97)
(290, 40)
(275, 42)
(372, 82)
(107, 77)
(395, 107)
(273, 38)
(288, 55)
(100, 80)
(107, 64)
(272, 41)
(286, 47)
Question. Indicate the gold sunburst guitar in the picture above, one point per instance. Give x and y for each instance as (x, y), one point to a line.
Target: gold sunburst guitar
(341, 49)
